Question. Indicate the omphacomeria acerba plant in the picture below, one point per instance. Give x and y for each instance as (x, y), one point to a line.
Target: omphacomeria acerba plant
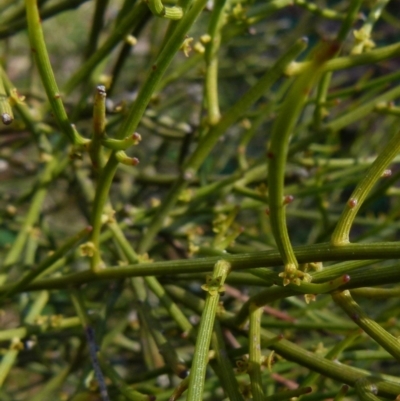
(252, 253)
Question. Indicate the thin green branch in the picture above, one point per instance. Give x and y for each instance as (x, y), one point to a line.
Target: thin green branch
(304, 254)
(255, 358)
(373, 329)
(39, 51)
(277, 154)
(342, 231)
(213, 287)
(217, 21)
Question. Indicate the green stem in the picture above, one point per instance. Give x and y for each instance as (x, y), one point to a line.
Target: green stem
(99, 126)
(97, 26)
(6, 113)
(200, 358)
(8, 359)
(103, 186)
(305, 254)
(373, 329)
(332, 354)
(342, 231)
(39, 51)
(255, 353)
(277, 154)
(351, 16)
(342, 63)
(217, 20)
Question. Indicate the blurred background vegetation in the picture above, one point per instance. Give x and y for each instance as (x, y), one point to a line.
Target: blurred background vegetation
(50, 358)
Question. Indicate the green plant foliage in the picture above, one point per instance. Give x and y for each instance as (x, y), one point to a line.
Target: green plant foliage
(199, 200)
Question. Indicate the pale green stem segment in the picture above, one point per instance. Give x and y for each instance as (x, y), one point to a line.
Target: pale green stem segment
(321, 111)
(99, 126)
(342, 63)
(103, 186)
(363, 35)
(158, 9)
(39, 51)
(277, 154)
(9, 358)
(121, 144)
(255, 358)
(342, 231)
(376, 293)
(213, 287)
(36, 309)
(212, 137)
(366, 390)
(123, 158)
(217, 20)
(374, 330)
(6, 113)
